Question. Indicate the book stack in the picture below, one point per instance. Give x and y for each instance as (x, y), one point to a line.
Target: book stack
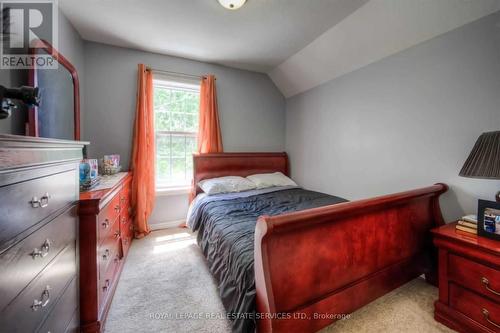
(468, 223)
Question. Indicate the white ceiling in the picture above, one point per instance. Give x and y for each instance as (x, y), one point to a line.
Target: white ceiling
(299, 43)
(258, 37)
(376, 30)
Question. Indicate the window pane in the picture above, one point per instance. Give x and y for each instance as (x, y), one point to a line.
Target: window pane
(178, 146)
(163, 170)
(176, 120)
(189, 166)
(163, 120)
(191, 145)
(191, 122)
(178, 170)
(161, 99)
(171, 108)
(163, 146)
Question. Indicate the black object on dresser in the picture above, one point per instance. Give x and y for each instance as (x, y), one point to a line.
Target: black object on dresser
(38, 234)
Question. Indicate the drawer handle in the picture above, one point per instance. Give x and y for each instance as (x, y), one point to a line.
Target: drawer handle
(105, 224)
(117, 208)
(486, 283)
(117, 234)
(486, 315)
(43, 301)
(105, 255)
(124, 220)
(44, 250)
(106, 285)
(40, 203)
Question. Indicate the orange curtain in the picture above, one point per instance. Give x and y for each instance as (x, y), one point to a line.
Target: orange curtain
(143, 154)
(209, 134)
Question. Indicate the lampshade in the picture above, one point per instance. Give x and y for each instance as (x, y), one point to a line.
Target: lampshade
(484, 159)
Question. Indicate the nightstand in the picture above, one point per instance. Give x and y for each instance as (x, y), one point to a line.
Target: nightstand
(469, 281)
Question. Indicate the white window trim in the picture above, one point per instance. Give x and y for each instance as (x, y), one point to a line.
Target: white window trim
(172, 190)
(177, 83)
(187, 84)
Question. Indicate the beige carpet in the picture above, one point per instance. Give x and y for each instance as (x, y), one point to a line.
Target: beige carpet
(166, 287)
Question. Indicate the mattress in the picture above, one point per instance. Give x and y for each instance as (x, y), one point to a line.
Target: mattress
(226, 226)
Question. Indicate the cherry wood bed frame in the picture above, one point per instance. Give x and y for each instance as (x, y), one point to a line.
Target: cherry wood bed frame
(316, 265)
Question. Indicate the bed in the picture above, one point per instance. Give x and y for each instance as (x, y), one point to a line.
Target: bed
(292, 260)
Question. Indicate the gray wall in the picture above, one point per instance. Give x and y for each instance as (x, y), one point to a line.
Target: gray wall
(408, 120)
(72, 47)
(251, 108)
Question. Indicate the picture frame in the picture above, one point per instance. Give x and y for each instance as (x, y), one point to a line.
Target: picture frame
(488, 219)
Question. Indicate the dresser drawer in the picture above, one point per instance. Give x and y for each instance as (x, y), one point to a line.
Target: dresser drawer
(480, 278)
(478, 308)
(109, 252)
(60, 318)
(126, 241)
(25, 204)
(106, 284)
(101, 238)
(125, 196)
(22, 262)
(126, 230)
(107, 217)
(27, 311)
(125, 224)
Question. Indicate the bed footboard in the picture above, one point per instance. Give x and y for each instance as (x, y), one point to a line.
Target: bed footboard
(314, 266)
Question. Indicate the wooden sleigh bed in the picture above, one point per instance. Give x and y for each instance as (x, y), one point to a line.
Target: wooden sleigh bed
(315, 265)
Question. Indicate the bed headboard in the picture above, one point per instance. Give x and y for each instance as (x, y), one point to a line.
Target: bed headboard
(236, 164)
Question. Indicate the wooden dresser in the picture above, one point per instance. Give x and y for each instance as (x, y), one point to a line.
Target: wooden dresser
(469, 281)
(106, 231)
(38, 228)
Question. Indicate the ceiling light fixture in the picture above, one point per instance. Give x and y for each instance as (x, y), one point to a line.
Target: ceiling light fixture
(232, 4)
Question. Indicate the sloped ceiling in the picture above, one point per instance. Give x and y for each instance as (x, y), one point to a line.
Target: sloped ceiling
(300, 44)
(376, 30)
(258, 37)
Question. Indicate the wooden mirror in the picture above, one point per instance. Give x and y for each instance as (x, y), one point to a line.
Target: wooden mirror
(58, 115)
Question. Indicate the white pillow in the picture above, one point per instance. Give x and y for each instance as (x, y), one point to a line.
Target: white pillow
(264, 180)
(225, 185)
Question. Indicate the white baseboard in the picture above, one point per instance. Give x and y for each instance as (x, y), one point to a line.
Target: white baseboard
(167, 225)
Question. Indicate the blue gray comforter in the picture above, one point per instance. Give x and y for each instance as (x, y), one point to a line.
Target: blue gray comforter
(226, 226)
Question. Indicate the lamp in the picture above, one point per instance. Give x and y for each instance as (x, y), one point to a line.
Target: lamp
(232, 4)
(484, 159)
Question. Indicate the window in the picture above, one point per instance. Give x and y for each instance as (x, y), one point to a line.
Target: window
(176, 108)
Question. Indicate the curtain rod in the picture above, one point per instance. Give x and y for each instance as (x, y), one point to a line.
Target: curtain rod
(174, 73)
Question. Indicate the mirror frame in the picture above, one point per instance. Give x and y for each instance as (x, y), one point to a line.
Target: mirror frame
(32, 125)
